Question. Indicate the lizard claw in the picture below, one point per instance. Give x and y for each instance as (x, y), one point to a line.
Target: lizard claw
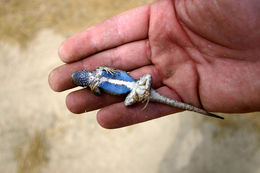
(110, 70)
(147, 101)
(93, 86)
(144, 97)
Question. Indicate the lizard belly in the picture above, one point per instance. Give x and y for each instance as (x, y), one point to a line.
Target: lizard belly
(120, 75)
(118, 83)
(116, 89)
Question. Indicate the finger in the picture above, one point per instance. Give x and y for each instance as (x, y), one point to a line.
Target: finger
(126, 57)
(84, 100)
(118, 115)
(123, 28)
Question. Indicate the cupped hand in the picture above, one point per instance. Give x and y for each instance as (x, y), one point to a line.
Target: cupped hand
(205, 53)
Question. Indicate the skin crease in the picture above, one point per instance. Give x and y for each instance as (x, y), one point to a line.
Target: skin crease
(205, 53)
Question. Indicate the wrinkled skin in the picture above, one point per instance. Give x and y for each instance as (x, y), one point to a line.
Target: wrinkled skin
(205, 53)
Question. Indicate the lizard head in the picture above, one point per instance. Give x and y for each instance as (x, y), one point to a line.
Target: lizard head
(81, 78)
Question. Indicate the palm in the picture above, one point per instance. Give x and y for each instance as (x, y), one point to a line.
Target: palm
(214, 63)
(193, 58)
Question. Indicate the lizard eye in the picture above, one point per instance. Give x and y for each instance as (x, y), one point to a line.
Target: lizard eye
(80, 78)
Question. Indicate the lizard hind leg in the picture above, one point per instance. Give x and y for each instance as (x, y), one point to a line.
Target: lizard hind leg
(141, 92)
(143, 87)
(145, 80)
(130, 99)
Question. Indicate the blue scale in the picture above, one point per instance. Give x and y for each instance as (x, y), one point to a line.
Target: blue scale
(114, 88)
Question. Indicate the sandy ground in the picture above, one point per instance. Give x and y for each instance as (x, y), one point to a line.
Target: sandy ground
(38, 133)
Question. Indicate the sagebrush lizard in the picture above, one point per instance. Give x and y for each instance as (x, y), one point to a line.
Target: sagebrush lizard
(117, 82)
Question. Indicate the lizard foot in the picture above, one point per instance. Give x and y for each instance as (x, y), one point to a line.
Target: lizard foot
(110, 70)
(93, 86)
(141, 93)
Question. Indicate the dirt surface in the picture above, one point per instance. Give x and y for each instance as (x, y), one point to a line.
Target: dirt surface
(38, 133)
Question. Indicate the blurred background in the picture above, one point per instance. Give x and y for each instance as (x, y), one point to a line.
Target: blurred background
(38, 133)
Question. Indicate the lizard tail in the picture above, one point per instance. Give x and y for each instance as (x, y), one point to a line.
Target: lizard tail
(156, 97)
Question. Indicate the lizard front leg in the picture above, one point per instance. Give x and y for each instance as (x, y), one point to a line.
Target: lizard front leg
(94, 88)
(109, 70)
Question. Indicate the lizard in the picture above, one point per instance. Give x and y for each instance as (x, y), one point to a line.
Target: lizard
(118, 82)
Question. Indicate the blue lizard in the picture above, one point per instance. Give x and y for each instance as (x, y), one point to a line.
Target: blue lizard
(118, 82)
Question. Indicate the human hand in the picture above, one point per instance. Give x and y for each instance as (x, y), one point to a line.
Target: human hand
(199, 52)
